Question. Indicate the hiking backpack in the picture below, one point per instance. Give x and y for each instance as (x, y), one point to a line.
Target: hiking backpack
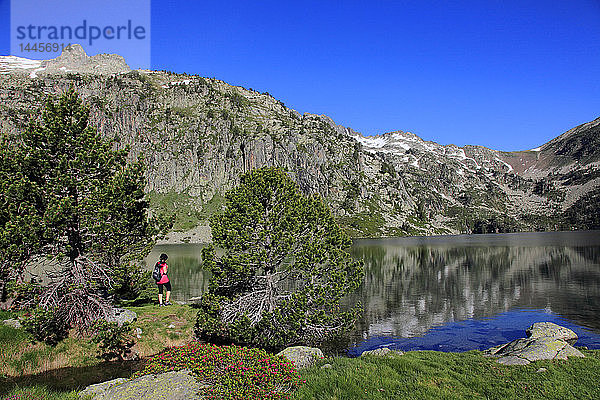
(156, 275)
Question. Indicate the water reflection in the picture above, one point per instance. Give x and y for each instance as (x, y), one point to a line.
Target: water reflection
(412, 285)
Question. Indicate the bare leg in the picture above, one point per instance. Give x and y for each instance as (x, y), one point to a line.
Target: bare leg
(160, 297)
(168, 295)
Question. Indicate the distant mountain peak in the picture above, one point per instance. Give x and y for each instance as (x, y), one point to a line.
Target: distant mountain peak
(72, 60)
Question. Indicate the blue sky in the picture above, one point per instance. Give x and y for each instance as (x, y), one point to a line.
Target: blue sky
(509, 75)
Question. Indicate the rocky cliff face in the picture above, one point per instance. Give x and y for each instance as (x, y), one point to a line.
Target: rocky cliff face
(197, 135)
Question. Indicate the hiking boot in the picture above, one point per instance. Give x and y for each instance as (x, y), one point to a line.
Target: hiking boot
(161, 305)
(168, 303)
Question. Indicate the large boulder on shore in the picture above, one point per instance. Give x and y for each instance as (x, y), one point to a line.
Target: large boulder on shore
(175, 385)
(545, 341)
(302, 356)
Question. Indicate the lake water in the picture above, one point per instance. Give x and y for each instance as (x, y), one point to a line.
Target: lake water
(455, 293)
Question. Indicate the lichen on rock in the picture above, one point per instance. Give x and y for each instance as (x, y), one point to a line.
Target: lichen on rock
(545, 341)
(175, 385)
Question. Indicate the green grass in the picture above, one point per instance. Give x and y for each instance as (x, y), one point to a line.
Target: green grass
(155, 321)
(36, 371)
(436, 375)
(39, 393)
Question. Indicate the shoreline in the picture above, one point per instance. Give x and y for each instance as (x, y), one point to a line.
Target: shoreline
(201, 234)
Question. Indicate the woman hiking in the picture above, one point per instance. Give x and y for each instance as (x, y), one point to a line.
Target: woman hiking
(164, 281)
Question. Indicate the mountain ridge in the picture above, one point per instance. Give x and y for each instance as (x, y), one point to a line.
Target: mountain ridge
(197, 136)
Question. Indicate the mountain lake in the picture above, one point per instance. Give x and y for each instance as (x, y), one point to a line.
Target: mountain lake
(454, 293)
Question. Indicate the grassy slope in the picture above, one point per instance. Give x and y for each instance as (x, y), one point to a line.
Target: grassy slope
(36, 371)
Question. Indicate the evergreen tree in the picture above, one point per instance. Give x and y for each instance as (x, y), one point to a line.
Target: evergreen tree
(284, 270)
(68, 196)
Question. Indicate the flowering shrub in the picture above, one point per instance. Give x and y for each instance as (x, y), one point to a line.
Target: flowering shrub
(233, 372)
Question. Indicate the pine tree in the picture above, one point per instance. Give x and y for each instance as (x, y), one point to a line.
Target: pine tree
(68, 196)
(284, 270)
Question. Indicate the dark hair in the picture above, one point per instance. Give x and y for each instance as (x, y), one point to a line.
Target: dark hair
(164, 257)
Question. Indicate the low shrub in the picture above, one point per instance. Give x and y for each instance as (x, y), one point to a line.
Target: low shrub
(46, 327)
(114, 341)
(233, 372)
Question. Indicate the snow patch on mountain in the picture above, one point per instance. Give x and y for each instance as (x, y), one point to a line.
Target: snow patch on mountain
(9, 64)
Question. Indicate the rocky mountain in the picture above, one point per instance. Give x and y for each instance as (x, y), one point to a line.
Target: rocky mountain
(197, 135)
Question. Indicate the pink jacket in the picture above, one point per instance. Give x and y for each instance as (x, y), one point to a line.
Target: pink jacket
(163, 271)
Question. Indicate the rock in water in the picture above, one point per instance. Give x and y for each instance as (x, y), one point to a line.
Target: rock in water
(175, 385)
(302, 356)
(545, 341)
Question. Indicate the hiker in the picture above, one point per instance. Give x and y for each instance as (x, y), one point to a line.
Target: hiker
(164, 281)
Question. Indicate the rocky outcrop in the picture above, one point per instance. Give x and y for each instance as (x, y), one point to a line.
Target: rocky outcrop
(176, 385)
(545, 341)
(302, 356)
(73, 60)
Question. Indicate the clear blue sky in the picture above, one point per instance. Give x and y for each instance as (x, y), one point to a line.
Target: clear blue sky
(509, 75)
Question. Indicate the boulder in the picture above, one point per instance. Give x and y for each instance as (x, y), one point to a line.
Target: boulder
(13, 323)
(382, 352)
(302, 356)
(175, 385)
(545, 341)
(98, 390)
(121, 315)
(551, 330)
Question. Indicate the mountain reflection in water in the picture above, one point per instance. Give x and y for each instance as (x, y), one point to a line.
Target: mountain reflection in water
(415, 284)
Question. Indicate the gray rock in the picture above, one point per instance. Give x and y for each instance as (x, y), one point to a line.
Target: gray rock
(546, 341)
(138, 333)
(326, 366)
(74, 60)
(541, 370)
(302, 356)
(512, 360)
(551, 330)
(100, 388)
(13, 323)
(121, 315)
(176, 385)
(382, 352)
